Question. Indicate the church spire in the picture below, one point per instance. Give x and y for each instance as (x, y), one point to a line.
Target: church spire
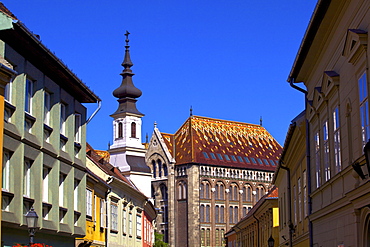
(127, 93)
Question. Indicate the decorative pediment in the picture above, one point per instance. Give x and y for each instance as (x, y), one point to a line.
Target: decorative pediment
(315, 100)
(355, 45)
(330, 81)
(157, 145)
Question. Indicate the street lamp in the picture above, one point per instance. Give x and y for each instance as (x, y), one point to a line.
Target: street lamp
(31, 218)
(271, 242)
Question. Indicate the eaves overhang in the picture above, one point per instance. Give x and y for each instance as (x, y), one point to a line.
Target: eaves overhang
(27, 44)
(313, 26)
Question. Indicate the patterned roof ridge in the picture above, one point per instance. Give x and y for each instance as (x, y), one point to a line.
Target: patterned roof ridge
(7, 12)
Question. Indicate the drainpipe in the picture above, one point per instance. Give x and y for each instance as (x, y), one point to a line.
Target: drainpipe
(308, 160)
(290, 223)
(94, 113)
(258, 230)
(109, 190)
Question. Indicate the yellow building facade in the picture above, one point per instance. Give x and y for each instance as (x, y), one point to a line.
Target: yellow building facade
(96, 211)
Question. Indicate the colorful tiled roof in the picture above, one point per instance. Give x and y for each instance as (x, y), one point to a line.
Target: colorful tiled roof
(169, 141)
(224, 143)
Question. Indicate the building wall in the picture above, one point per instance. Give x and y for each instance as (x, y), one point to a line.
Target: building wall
(6, 75)
(332, 72)
(96, 214)
(53, 172)
(196, 211)
(294, 159)
(261, 223)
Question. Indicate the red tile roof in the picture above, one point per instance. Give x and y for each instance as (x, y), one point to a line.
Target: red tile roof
(224, 143)
(100, 159)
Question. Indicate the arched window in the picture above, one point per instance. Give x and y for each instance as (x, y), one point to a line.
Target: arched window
(244, 194)
(179, 191)
(217, 214)
(208, 213)
(202, 237)
(207, 191)
(120, 130)
(222, 192)
(216, 192)
(202, 188)
(154, 169)
(165, 172)
(244, 211)
(202, 213)
(231, 218)
(235, 193)
(236, 215)
(133, 130)
(182, 190)
(222, 214)
(159, 168)
(262, 191)
(164, 192)
(249, 191)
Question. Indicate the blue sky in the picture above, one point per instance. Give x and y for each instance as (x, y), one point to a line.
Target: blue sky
(228, 59)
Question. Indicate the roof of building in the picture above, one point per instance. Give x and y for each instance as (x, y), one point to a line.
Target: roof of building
(223, 143)
(7, 12)
(313, 26)
(273, 193)
(100, 159)
(29, 45)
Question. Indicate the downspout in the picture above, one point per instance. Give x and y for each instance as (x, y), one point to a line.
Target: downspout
(258, 230)
(308, 160)
(95, 112)
(290, 223)
(109, 190)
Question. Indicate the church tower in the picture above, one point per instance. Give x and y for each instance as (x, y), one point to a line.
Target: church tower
(127, 151)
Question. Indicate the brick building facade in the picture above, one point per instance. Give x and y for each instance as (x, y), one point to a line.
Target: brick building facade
(207, 176)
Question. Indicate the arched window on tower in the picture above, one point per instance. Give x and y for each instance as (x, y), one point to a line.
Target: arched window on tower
(181, 190)
(133, 130)
(120, 130)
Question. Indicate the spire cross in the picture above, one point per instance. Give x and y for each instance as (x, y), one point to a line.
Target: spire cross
(127, 34)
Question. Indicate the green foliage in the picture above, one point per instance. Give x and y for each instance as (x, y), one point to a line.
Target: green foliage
(158, 242)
